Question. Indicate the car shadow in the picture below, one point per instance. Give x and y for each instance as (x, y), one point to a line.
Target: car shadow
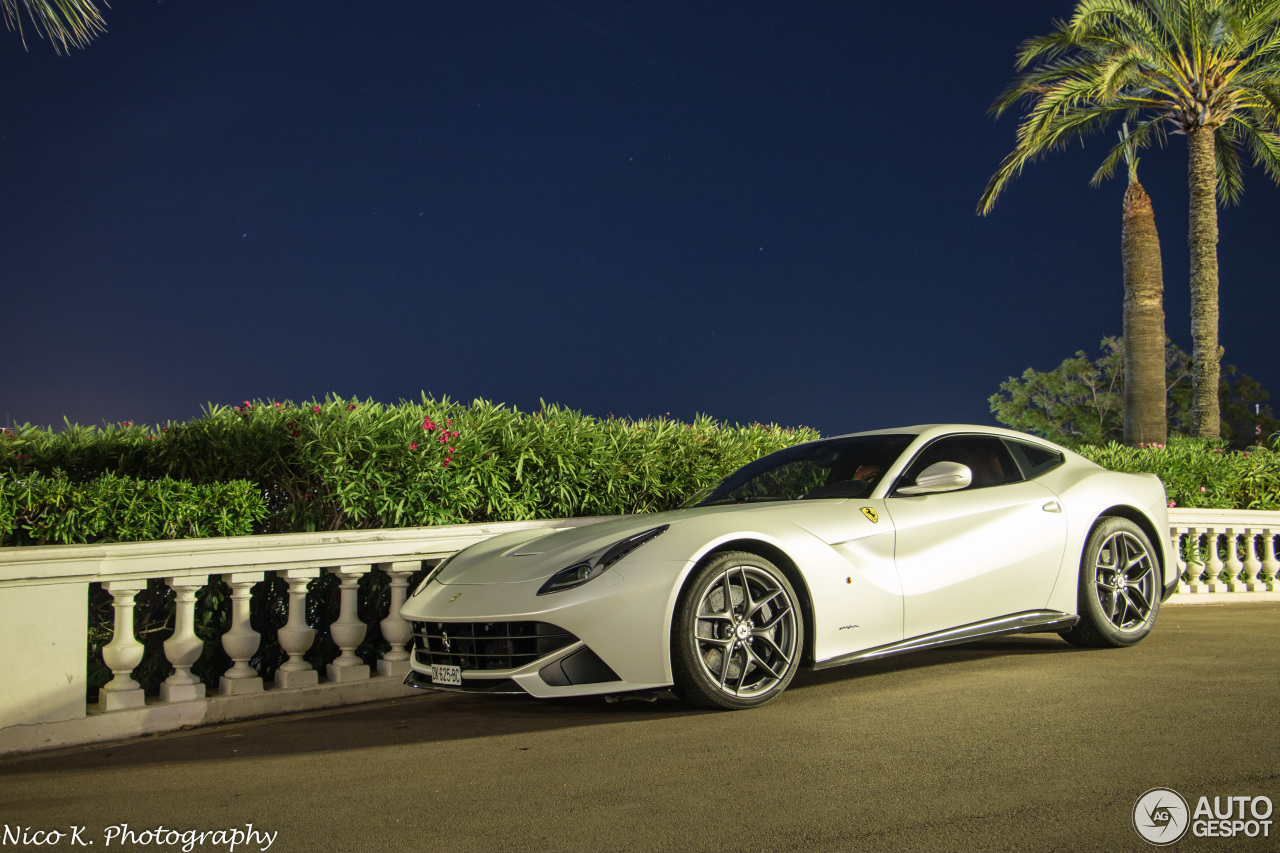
(1014, 644)
(431, 718)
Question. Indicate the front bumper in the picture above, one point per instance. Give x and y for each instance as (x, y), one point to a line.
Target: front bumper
(618, 630)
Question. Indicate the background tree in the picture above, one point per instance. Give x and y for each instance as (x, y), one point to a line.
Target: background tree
(1082, 401)
(65, 22)
(1206, 69)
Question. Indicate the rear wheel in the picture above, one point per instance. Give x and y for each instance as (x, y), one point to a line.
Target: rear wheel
(737, 633)
(1120, 586)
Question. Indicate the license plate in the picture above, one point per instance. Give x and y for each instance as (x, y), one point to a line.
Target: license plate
(446, 674)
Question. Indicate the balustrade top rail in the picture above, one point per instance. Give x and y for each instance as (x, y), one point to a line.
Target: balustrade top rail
(44, 564)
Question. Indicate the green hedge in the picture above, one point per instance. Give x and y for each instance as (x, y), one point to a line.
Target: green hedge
(1197, 473)
(39, 509)
(340, 464)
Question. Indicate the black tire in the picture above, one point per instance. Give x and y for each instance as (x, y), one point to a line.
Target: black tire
(761, 629)
(1120, 586)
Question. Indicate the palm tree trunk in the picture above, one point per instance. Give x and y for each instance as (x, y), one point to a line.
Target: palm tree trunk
(1145, 418)
(1203, 239)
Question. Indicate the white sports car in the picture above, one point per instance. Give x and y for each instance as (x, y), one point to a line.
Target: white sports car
(824, 553)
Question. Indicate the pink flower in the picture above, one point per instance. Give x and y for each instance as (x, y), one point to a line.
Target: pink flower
(1217, 450)
(413, 445)
(351, 406)
(315, 408)
(1173, 503)
(449, 421)
(1202, 488)
(246, 402)
(450, 449)
(446, 463)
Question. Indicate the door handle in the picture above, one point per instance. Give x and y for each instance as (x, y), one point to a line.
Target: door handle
(1052, 506)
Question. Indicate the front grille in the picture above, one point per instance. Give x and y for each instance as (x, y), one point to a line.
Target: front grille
(486, 645)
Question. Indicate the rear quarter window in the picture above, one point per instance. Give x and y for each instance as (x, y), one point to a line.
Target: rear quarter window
(1033, 459)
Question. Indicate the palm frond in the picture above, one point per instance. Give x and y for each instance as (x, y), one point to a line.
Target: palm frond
(67, 23)
(1145, 134)
(1227, 165)
(1263, 145)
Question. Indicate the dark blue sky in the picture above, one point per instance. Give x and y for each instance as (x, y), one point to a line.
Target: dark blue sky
(761, 211)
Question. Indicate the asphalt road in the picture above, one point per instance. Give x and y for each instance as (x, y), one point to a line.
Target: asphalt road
(1023, 743)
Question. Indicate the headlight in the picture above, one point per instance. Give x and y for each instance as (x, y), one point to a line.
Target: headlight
(599, 562)
(431, 575)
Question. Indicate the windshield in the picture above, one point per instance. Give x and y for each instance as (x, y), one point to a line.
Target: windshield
(834, 468)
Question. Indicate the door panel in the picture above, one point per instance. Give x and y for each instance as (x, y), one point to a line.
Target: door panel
(975, 554)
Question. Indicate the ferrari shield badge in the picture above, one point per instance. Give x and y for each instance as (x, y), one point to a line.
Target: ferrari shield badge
(871, 514)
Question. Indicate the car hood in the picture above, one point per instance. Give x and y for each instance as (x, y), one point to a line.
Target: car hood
(527, 555)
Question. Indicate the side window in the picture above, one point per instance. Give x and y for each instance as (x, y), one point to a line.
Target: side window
(1032, 459)
(985, 455)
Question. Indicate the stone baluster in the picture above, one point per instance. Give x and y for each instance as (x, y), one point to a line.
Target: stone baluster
(124, 652)
(184, 648)
(395, 629)
(1213, 562)
(1233, 564)
(1179, 560)
(241, 641)
(348, 631)
(1252, 565)
(297, 636)
(1270, 565)
(1195, 565)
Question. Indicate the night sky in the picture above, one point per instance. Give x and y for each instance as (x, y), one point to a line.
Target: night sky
(759, 211)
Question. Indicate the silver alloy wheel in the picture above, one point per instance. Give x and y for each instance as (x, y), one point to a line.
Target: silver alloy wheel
(745, 632)
(1124, 577)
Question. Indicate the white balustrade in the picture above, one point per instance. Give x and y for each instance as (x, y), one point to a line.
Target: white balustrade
(348, 631)
(297, 636)
(241, 641)
(124, 652)
(54, 579)
(395, 630)
(184, 648)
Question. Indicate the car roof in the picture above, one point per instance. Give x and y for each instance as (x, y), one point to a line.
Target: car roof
(930, 431)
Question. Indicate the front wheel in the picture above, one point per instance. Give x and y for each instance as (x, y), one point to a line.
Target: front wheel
(737, 634)
(1120, 586)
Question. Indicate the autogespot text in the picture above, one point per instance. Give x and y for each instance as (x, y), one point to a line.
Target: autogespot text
(1232, 816)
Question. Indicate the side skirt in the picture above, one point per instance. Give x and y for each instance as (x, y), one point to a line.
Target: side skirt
(1027, 622)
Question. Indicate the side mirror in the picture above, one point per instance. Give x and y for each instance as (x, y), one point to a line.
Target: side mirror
(940, 477)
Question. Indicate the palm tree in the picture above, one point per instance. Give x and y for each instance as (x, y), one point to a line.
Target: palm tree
(1206, 69)
(65, 22)
(1145, 418)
